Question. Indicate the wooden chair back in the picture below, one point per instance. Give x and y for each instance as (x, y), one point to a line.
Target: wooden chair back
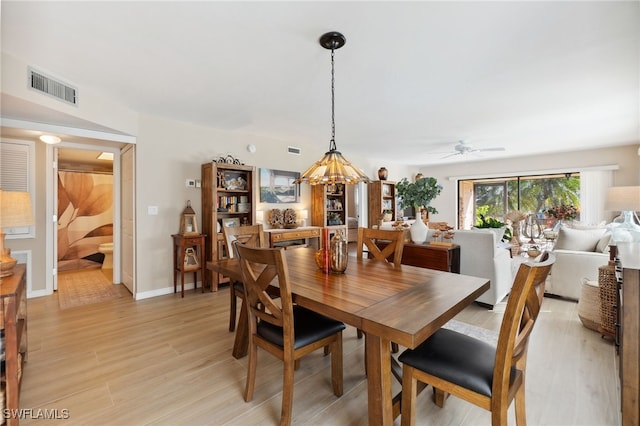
(521, 313)
(271, 324)
(367, 237)
(262, 267)
(250, 235)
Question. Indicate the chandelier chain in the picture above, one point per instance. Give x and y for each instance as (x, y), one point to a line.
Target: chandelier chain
(332, 145)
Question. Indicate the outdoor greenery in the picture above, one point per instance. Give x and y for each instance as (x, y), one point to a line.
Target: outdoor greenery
(533, 194)
(419, 193)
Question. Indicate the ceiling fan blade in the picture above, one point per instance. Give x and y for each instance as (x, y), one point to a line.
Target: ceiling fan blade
(491, 149)
(451, 155)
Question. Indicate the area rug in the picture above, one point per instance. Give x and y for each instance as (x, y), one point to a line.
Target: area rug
(479, 333)
(84, 287)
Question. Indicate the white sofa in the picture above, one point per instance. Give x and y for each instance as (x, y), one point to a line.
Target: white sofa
(579, 254)
(482, 255)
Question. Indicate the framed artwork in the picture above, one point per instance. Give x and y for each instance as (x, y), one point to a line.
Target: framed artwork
(231, 222)
(386, 190)
(277, 186)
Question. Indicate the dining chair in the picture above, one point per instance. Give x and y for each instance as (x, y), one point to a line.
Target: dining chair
(283, 329)
(251, 235)
(483, 374)
(367, 237)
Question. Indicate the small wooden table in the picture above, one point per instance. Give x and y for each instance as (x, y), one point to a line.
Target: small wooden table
(288, 237)
(180, 244)
(425, 255)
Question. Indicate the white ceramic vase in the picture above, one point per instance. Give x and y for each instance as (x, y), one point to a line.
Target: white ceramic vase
(418, 231)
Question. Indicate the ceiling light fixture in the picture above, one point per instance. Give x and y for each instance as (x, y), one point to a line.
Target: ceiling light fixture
(332, 168)
(50, 139)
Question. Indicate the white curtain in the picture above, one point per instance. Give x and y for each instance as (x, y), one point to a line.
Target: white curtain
(593, 191)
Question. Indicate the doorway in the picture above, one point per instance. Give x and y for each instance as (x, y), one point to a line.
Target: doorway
(85, 243)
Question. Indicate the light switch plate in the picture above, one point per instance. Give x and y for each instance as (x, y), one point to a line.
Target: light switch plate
(152, 210)
(191, 183)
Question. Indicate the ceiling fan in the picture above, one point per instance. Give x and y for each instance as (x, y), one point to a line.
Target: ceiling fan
(463, 148)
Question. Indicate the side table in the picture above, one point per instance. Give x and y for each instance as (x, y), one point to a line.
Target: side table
(180, 244)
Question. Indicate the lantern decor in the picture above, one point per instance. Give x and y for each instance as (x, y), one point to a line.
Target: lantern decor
(188, 221)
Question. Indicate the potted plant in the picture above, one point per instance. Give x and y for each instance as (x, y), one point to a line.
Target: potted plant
(484, 222)
(418, 195)
(387, 215)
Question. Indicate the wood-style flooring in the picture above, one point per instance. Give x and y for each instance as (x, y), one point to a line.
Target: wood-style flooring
(167, 360)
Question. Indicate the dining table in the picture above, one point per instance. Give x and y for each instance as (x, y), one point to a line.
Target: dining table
(402, 304)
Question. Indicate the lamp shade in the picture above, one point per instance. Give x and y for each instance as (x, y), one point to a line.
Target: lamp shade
(15, 209)
(623, 198)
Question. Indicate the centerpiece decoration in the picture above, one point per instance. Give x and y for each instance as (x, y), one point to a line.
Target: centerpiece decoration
(290, 219)
(561, 213)
(515, 217)
(418, 195)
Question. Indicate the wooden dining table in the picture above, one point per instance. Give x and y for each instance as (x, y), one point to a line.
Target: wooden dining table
(404, 304)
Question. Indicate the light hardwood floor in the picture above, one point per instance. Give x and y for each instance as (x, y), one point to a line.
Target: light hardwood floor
(168, 361)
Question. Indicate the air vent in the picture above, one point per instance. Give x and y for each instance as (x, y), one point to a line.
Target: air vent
(51, 87)
(293, 150)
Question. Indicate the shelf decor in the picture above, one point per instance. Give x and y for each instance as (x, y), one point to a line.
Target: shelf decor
(188, 221)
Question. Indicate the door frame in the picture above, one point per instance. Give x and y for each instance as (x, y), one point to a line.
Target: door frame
(52, 207)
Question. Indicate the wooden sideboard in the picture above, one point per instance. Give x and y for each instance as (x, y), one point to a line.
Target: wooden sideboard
(628, 270)
(13, 311)
(425, 255)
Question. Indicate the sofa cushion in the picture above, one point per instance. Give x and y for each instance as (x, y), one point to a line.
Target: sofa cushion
(498, 233)
(579, 239)
(603, 243)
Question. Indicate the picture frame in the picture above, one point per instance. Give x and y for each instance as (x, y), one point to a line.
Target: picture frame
(231, 222)
(386, 190)
(278, 187)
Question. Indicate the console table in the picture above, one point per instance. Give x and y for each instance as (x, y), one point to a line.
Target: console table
(425, 255)
(297, 237)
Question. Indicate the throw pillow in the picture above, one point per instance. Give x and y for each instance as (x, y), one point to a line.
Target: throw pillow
(578, 239)
(579, 225)
(603, 243)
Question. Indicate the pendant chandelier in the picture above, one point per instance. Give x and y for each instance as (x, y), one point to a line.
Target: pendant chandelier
(333, 167)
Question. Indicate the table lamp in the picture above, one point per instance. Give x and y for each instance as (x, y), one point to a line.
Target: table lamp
(303, 215)
(15, 211)
(625, 199)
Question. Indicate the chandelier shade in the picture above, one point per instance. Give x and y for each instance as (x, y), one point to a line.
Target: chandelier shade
(332, 168)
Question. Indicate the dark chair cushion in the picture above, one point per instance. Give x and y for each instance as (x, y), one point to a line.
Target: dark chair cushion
(457, 358)
(238, 286)
(309, 327)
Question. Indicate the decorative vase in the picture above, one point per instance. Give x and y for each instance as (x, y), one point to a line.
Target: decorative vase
(383, 173)
(323, 256)
(387, 217)
(559, 224)
(339, 253)
(515, 239)
(418, 231)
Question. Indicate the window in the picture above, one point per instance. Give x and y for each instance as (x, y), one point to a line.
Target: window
(17, 159)
(494, 197)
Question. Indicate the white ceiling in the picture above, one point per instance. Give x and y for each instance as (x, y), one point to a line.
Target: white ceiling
(533, 77)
